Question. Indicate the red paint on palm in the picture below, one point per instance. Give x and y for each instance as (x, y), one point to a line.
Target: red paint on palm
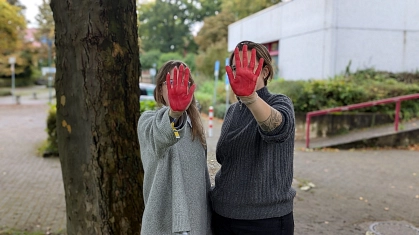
(179, 93)
(244, 81)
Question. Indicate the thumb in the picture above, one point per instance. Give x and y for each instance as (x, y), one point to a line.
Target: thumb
(230, 73)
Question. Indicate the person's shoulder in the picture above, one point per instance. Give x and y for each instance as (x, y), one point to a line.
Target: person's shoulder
(147, 113)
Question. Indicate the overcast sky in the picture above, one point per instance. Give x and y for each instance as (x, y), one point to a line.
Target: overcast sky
(31, 11)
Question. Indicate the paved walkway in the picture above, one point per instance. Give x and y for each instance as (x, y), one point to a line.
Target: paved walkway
(353, 189)
(31, 188)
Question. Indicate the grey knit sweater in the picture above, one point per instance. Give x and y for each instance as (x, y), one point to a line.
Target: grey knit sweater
(176, 180)
(256, 173)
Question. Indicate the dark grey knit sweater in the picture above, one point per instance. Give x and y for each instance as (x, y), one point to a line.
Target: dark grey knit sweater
(256, 173)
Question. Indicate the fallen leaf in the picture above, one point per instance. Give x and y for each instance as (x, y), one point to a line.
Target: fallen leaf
(361, 198)
(386, 208)
(305, 188)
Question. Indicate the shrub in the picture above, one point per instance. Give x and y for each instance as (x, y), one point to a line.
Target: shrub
(147, 105)
(205, 95)
(354, 88)
(52, 141)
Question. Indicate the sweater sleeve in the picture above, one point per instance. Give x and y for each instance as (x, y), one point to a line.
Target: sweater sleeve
(287, 127)
(155, 133)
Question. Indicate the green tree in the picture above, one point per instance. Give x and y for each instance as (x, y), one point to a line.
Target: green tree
(45, 20)
(45, 33)
(244, 8)
(214, 30)
(168, 56)
(166, 25)
(97, 112)
(12, 24)
(206, 59)
(149, 58)
(190, 61)
(212, 38)
(16, 3)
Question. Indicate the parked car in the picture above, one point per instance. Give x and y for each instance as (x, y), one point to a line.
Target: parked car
(147, 90)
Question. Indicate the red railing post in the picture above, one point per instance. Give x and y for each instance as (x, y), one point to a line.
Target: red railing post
(307, 130)
(396, 118)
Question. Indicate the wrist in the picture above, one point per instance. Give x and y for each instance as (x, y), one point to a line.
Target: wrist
(247, 100)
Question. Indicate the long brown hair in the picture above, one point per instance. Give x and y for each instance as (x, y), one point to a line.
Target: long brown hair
(261, 52)
(192, 111)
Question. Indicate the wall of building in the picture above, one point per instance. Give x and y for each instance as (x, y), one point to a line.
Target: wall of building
(318, 38)
(380, 34)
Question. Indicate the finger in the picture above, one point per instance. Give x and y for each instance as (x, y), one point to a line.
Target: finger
(191, 90)
(181, 74)
(229, 73)
(231, 77)
(186, 78)
(237, 58)
(168, 83)
(244, 52)
(252, 59)
(259, 69)
(175, 77)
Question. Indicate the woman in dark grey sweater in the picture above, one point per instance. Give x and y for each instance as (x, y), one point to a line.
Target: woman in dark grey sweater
(253, 193)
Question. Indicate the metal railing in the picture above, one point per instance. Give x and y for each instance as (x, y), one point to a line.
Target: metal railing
(396, 100)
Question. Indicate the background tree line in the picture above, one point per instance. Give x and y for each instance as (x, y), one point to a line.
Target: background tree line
(167, 27)
(165, 32)
(30, 56)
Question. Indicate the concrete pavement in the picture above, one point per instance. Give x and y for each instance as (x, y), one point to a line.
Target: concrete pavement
(353, 189)
(31, 188)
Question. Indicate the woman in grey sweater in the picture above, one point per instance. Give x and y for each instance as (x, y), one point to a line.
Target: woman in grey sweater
(253, 193)
(173, 153)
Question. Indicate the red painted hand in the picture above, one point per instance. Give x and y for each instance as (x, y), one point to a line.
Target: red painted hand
(244, 81)
(179, 92)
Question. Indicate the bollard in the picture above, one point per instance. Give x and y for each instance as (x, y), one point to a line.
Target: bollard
(18, 99)
(210, 117)
(34, 96)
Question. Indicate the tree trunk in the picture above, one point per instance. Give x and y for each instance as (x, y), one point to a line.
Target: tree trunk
(97, 112)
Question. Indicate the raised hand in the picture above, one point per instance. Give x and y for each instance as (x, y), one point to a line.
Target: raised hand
(179, 92)
(244, 82)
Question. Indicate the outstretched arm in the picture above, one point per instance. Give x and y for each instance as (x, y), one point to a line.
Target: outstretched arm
(243, 83)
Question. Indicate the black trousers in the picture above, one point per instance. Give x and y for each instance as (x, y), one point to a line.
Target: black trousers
(283, 225)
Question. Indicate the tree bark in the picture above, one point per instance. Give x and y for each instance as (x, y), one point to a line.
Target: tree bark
(97, 61)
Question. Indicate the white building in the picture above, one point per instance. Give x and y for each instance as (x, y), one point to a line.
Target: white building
(318, 38)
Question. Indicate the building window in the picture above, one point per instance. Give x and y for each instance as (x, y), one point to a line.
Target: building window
(273, 48)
